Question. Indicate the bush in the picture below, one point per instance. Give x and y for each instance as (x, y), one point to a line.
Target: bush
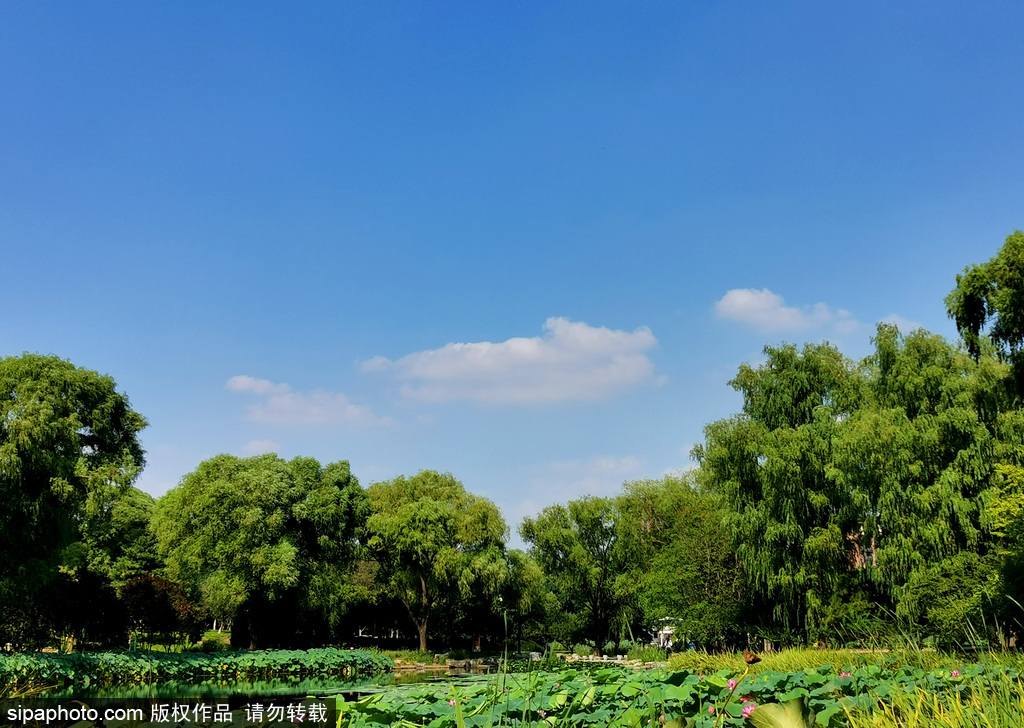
(609, 648)
(556, 647)
(648, 653)
(213, 644)
(583, 650)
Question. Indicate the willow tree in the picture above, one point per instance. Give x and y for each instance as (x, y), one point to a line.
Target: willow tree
(991, 294)
(873, 492)
(920, 456)
(772, 464)
(437, 545)
(1006, 517)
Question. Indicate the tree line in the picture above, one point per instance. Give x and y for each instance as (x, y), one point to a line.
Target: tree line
(847, 501)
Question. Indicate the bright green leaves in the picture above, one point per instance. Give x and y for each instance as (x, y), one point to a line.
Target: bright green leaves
(249, 531)
(772, 465)
(794, 713)
(863, 484)
(992, 292)
(586, 563)
(682, 565)
(436, 544)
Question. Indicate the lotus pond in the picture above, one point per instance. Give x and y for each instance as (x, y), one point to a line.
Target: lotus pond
(975, 695)
(854, 694)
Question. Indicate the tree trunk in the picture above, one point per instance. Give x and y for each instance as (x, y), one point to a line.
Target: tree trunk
(422, 629)
(421, 619)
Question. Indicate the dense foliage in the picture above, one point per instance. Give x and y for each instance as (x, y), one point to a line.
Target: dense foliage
(68, 440)
(262, 543)
(848, 486)
(437, 545)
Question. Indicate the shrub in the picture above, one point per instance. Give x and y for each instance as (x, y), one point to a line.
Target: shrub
(609, 648)
(647, 653)
(212, 644)
(583, 650)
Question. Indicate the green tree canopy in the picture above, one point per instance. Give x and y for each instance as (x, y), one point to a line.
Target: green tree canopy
(65, 433)
(437, 545)
(873, 489)
(260, 536)
(116, 541)
(788, 517)
(992, 293)
(587, 566)
(685, 569)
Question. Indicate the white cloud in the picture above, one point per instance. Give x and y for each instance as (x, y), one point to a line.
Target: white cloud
(600, 466)
(282, 406)
(767, 313)
(571, 361)
(258, 447)
(243, 383)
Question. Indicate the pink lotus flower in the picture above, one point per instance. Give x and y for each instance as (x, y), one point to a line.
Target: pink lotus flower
(748, 709)
(732, 684)
(711, 710)
(955, 673)
(542, 713)
(845, 674)
(451, 702)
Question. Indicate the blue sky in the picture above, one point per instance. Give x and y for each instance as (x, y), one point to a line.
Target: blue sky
(527, 243)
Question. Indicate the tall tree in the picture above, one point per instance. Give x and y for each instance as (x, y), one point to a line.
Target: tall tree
(686, 572)
(788, 518)
(871, 488)
(115, 538)
(257, 537)
(992, 293)
(919, 458)
(437, 545)
(587, 565)
(65, 432)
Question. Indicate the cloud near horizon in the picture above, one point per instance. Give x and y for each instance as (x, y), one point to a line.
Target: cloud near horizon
(563, 481)
(905, 325)
(571, 361)
(767, 313)
(282, 406)
(259, 447)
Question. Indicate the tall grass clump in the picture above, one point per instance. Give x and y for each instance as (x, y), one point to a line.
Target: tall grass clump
(995, 700)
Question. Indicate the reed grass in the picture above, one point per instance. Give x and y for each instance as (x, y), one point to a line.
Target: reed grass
(996, 703)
